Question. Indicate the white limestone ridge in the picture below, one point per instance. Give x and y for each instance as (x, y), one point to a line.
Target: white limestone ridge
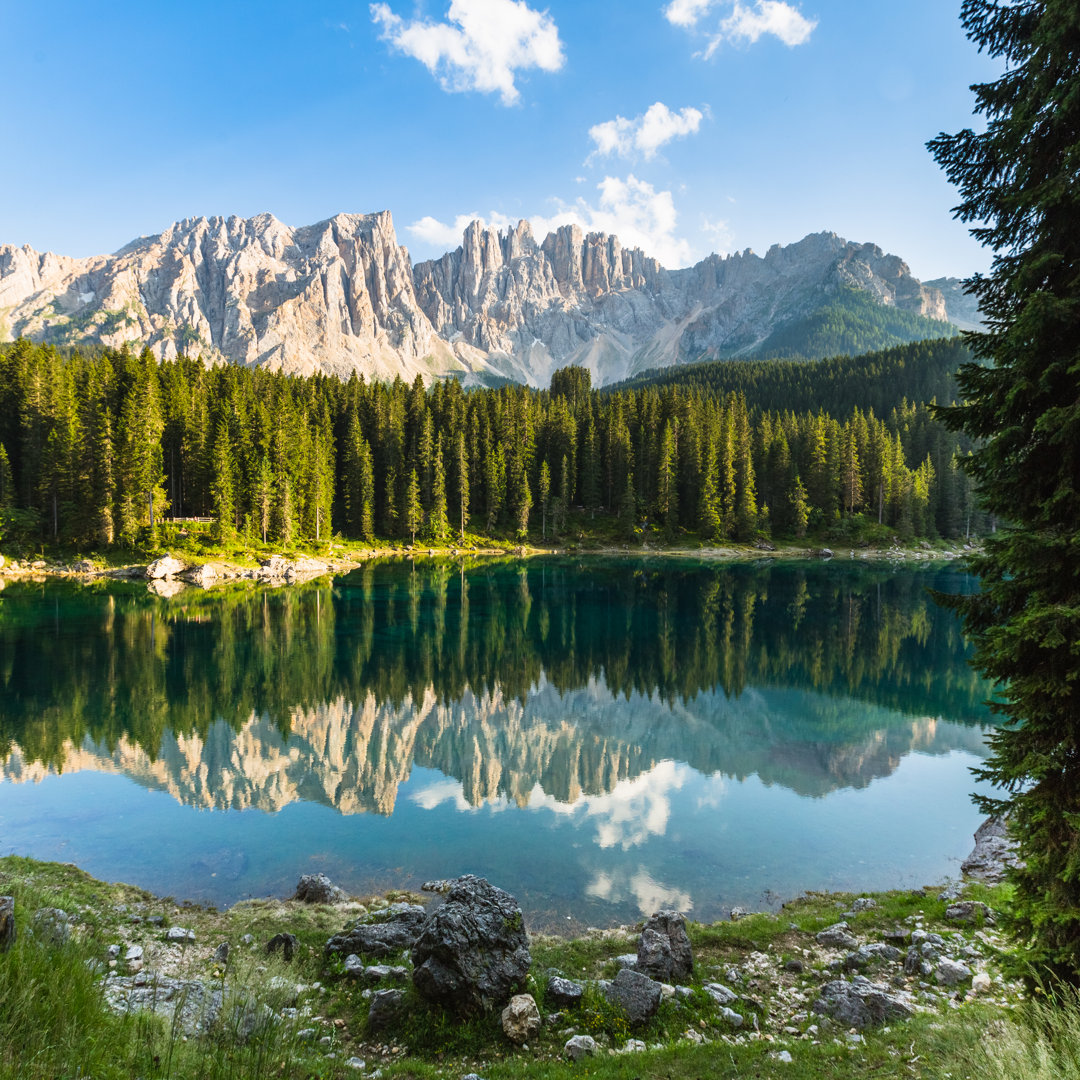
(342, 296)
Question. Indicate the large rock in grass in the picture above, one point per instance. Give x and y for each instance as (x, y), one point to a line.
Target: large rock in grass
(637, 995)
(664, 950)
(861, 1004)
(7, 922)
(472, 953)
(380, 933)
(521, 1019)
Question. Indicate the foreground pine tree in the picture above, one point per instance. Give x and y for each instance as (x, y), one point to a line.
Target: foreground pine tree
(1020, 182)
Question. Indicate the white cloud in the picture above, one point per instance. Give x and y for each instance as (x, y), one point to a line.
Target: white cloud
(439, 234)
(719, 233)
(631, 209)
(686, 12)
(651, 895)
(645, 134)
(767, 17)
(482, 46)
(746, 23)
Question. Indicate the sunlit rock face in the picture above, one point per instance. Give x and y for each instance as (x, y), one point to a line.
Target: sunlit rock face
(342, 296)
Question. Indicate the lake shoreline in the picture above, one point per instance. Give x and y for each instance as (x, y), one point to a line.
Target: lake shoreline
(289, 568)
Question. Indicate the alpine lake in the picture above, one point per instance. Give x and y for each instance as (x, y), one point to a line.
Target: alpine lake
(602, 737)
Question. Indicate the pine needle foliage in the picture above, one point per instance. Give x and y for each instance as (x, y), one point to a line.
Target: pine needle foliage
(1020, 182)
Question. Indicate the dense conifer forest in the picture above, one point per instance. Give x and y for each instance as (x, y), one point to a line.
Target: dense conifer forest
(97, 449)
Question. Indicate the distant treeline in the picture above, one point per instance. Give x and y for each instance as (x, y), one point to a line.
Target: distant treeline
(97, 448)
(923, 371)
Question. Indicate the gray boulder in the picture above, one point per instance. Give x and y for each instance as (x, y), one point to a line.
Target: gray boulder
(381, 933)
(472, 953)
(51, 924)
(837, 936)
(664, 951)
(874, 953)
(7, 922)
(637, 995)
(862, 1004)
(968, 911)
(318, 889)
(563, 993)
(386, 1007)
(189, 1004)
(994, 852)
(579, 1046)
(721, 994)
(951, 972)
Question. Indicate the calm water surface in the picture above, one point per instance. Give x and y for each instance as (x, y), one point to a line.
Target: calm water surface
(600, 737)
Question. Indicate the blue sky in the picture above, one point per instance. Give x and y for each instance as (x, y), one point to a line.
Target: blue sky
(686, 126)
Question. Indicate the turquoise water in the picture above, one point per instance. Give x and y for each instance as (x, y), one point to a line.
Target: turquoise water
(600, 737)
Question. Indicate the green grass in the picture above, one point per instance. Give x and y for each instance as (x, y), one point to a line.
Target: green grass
(53, 1022)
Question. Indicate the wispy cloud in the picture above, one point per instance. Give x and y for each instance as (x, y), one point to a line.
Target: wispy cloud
(482, 45)
(644, 134)
(743, 23)
(631, 209)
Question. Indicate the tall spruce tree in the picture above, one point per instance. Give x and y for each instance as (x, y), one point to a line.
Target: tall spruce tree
(1020, 183)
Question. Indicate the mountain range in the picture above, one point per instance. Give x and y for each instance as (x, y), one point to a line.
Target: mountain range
(343, 295)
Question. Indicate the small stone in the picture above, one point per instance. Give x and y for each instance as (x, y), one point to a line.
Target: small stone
(626, 960)
(181, 935)
(579, 1046)
(837, 936)
(722, 995)
(521, 1019)
(134, 952)
(733, 1018)
(221, 954)
(794, 966)
(783, 1056)
(287, 943)
(356, 1063)
(563, 992)
(633, 1046)
(981, 983)
(951, 972)
(968, 912)
(386, 1007)
(113, 952)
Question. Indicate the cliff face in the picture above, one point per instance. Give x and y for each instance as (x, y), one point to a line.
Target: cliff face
(343, 296)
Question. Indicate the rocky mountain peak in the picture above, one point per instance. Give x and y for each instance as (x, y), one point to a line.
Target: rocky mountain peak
(342, 295)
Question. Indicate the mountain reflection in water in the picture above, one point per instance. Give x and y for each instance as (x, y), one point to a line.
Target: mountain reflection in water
(555, 687)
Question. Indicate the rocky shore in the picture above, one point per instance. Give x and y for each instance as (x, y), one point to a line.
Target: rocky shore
(359, 984)
(168, 575)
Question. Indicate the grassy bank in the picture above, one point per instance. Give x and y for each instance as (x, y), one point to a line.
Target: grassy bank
(307, 1018)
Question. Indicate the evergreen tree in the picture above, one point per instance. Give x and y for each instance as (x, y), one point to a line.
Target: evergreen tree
(462, 459)
(222, 489)
(437, 524)
(1018, 181)
(545, 494)
(412, 511)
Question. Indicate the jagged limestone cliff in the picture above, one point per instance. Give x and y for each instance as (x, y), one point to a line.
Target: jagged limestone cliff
(342, 296)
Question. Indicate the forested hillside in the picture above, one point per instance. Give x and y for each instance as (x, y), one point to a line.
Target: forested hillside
(96, 449)
(922, 371)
